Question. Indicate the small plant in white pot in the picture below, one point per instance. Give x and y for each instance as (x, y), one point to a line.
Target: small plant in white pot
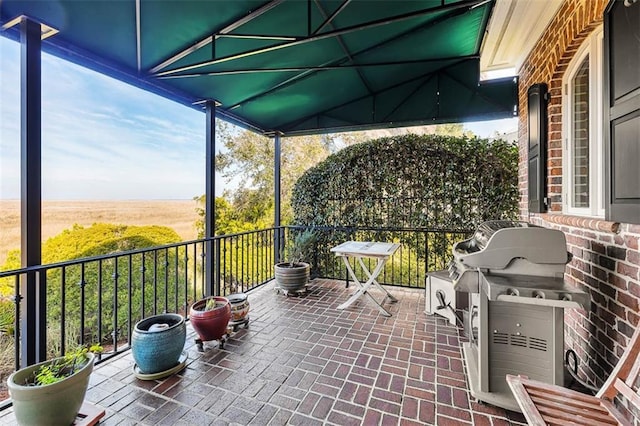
(51, 392)
(292, 274)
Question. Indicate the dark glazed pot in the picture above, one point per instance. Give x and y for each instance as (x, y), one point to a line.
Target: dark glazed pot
(292, 277)
(157, 342)
(211, 324)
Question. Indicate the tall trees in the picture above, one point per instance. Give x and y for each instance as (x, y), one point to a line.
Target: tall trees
(247, 161)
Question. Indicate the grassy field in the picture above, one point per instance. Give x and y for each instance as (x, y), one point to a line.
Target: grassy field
(60, 215)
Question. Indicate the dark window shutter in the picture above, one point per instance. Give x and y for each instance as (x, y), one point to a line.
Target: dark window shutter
(537, 170)
(622, 111)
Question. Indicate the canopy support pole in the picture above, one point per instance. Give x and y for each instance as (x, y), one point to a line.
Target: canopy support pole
(32, 285)
(212, 270)
(277, 157)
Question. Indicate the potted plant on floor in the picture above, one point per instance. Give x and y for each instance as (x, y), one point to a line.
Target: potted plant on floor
(51, 392)
(292, 275)
(157, 345)
(209, 317)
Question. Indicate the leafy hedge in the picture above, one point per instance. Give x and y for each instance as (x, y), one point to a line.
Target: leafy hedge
(411, 181)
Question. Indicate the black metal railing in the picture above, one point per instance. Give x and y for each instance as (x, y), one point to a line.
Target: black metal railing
(99, 299)
(421, 251)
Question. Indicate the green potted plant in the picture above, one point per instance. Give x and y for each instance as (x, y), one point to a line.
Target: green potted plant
(292, 274)
(51, 392)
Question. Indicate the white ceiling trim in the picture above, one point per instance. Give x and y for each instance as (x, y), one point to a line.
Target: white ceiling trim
(514, 28)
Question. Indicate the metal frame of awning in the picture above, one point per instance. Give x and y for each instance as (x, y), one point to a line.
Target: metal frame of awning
(168, 74)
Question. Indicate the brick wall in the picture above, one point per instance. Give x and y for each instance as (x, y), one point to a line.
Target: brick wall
(606, 259)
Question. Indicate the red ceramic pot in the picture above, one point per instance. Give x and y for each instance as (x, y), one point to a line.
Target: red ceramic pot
(211, 324)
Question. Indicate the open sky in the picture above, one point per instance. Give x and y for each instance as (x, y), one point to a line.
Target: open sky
(106, 140)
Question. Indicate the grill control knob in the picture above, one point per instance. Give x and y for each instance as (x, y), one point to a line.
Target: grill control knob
(512, 292)
(565, 297)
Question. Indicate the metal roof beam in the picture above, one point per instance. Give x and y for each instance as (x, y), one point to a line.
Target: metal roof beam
(341, 42)
(473, 90)
(322, 68)
(231, 27)
(427, 75)
(413, 92)
(327, 20)
(466, 4)
(306, 74)
(258, 37)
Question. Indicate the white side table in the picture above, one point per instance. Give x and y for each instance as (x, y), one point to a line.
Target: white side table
(359, 250)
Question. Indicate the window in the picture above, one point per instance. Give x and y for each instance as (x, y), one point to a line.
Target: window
(582, 131)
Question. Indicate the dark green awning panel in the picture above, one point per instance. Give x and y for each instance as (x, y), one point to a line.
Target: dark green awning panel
(293, 66)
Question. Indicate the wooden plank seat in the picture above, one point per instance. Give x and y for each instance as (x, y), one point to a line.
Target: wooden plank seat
(545, 404)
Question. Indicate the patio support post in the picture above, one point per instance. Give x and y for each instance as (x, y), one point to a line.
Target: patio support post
(32, 285)
(277, 157)
(212, 270)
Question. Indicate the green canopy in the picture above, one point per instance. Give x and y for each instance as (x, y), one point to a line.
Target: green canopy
(290, 66)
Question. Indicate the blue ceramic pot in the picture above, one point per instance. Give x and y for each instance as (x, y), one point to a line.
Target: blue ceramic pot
(157, 342)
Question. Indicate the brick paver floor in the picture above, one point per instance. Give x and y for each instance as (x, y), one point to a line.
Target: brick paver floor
(303, 362)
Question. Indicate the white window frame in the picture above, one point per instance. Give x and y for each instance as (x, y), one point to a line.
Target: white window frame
(591, 47)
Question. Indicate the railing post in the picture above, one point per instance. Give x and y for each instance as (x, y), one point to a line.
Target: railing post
(16, 324)
(216, 286)
(279, 242)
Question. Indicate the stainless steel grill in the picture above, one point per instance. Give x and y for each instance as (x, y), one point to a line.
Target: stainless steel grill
(513, 274)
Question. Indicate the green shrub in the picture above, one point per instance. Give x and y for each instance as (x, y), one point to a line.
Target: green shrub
(427, 182)
(411, 181)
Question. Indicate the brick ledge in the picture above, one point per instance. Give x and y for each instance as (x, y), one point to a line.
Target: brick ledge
(581, 222)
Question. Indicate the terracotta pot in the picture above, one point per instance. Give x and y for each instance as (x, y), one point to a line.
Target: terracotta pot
(157, 342)
(211, 324)
(239, 306)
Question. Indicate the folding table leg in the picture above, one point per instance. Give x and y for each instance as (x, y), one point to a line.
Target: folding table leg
(374, 275)
(364, 287)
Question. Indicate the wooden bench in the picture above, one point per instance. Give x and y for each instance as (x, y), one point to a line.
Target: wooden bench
(545, 404)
